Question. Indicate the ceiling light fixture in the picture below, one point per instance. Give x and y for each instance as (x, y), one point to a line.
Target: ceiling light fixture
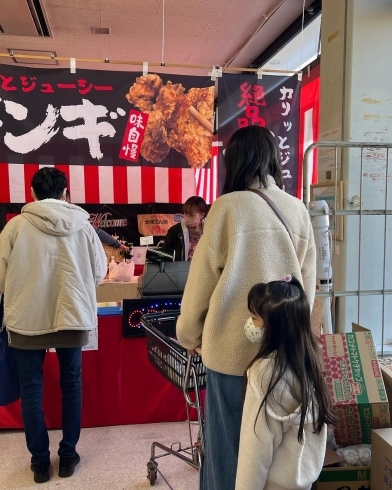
(100, 30)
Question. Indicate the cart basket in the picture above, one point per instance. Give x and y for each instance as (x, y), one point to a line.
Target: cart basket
(167, 355)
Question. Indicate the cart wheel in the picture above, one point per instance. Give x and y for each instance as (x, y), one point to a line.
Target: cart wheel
(197, 453)
(152, 476)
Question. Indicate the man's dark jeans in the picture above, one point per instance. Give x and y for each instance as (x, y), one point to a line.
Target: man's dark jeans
(29, 364)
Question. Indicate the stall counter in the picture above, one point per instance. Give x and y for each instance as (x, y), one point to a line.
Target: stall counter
(120, 386)
(117, 291)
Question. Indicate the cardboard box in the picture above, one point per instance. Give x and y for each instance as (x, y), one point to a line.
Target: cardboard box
(386, 370)
(356, 386)
(338, 478)
(350, 478)
(381, 459)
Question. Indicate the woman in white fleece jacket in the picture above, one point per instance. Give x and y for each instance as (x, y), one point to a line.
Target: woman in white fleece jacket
(243, 243)
(287, 406)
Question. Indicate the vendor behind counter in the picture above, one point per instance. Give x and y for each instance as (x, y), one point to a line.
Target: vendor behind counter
(181, 239)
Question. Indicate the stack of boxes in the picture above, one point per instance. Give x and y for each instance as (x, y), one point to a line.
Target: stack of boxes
(382, 439)
(357, 390)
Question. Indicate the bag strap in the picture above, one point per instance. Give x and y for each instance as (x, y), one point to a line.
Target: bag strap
(276, 211)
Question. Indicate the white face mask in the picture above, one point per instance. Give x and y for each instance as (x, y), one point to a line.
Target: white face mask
(254, 334)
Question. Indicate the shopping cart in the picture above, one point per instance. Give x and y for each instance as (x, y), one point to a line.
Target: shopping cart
(188, 374)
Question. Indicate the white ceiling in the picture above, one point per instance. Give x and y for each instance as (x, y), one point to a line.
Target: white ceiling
(203, 32)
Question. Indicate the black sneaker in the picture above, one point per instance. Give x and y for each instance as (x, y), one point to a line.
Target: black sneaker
(41, 472)
(67, 465)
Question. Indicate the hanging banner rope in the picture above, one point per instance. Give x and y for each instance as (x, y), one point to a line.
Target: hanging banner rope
(140, 63)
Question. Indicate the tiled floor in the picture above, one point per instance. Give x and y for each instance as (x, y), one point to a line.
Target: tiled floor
(112, 458)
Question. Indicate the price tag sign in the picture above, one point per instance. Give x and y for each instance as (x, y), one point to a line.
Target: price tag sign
(147, 240)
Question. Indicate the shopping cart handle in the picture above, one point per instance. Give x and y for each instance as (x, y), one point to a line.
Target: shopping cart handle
(166, 318)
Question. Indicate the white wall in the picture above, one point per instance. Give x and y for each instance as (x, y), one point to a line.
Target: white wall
(356, 95)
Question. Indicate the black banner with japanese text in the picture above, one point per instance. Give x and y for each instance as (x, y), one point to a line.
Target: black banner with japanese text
(97, 117)
(272, 102)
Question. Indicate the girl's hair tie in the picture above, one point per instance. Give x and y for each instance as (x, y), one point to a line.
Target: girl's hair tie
(287, 278)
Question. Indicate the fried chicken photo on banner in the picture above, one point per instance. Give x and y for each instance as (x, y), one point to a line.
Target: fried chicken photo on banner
(154, 147)
(144, 91)
(168, 98)
(143, 95)
(190, 126)
(182, 122)
(148, 94)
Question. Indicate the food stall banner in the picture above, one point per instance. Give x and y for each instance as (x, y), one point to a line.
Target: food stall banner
(105, 128)
(271, 102)
(156, 224)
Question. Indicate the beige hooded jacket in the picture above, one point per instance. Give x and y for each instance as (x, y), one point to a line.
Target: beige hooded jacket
(51, 261)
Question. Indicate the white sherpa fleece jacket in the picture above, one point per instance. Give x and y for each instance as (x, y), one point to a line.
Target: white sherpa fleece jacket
(270, 456)
(243, 243)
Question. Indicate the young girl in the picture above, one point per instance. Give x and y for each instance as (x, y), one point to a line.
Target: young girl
(287, 406)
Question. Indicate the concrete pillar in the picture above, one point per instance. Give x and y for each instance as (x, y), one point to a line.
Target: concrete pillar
(356, 101)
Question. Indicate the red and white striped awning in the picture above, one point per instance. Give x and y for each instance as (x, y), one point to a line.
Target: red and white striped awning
(116, 185)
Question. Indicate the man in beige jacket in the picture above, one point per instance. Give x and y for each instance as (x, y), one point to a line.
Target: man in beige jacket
(51, 261)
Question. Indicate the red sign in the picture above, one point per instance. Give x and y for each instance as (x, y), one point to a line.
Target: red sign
(376, 369)
(251, 100)
(133, 136)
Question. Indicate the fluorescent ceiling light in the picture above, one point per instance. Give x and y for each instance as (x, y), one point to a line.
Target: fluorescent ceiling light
(300, 51)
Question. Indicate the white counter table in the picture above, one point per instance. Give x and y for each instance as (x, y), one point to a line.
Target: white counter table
(116, 291)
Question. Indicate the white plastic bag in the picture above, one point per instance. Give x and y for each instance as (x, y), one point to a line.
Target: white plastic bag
(122, 272)
(358, 455)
